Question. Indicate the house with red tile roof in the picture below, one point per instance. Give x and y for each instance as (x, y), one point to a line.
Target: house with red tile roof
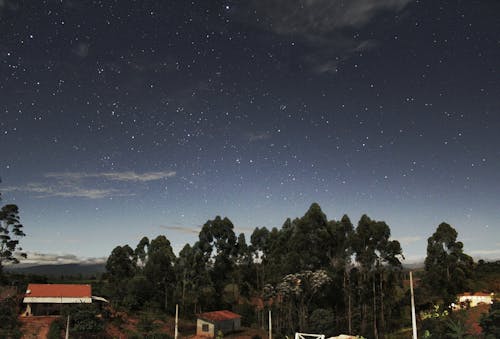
(210, 323)
(47, 299)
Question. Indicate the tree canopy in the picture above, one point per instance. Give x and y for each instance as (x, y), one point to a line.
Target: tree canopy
(308, 269)
(11, 230)
(448, 270)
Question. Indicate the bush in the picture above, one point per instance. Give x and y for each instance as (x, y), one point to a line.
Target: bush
(84, 318)
(154, 335)
(132, 335)
(8, 319)
(322, 321)
(490, 322)
(146, 324)
(452, 325)
(55, 329)
(247, 313)
(157, 335)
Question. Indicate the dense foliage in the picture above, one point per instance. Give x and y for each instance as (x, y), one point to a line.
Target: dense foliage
(448, 270)
(309, 269)
(56, 329)
(9, 324)
(491, 322)
(85, 319)
(487, 276)
(314, 274)
(11, 230)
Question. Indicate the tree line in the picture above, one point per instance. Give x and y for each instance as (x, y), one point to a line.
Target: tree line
(314, 274)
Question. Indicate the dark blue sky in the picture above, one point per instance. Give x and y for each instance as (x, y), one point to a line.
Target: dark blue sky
(128, 118)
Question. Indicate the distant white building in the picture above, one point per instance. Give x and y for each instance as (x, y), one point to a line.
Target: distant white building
(474, 299)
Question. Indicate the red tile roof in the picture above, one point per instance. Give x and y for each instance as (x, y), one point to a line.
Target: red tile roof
(59, 290)
(218, 316)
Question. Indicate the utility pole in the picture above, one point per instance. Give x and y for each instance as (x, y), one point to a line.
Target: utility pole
(270, 326)
(176, 334)
(413, 317)
(67, 328)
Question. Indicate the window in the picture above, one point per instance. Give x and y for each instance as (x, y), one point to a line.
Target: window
(204, 327)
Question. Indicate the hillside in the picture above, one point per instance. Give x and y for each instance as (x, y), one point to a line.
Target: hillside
(58, 270)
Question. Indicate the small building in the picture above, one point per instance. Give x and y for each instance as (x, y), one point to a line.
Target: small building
(210, 323)
(47, 299)
(474, 299)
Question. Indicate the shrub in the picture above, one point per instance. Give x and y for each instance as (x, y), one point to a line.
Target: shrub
(146, 324)
(158, 335)
(8, 319)
(322, 321)
(55, 329)
(84, 318)
(490, 322)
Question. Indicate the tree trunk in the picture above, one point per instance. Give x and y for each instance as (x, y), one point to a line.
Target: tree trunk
(382, 316)
(166, 297)
(363, 318)
(375, 331)
(183, 289)
(257, 278)
(347, 286)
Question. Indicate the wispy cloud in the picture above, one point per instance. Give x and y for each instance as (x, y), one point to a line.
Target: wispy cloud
(488, 252)
(35, 258)
(82, 50)
(64, 190)
(181, 229)
(115, 176)
(413, 260)
(258, 136)
(79, 185)
(8, 5)
(196, 230)
(244, 229)
(319, 17)
(409, 239)
(324, 25)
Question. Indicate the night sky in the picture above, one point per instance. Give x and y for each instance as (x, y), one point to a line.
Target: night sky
(125, 118)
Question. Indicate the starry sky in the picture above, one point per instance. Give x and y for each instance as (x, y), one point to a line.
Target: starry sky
(126, 118)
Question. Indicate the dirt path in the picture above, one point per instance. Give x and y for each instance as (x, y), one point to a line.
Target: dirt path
(36, 327)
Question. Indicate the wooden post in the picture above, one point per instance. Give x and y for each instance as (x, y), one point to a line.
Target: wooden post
(413, 316)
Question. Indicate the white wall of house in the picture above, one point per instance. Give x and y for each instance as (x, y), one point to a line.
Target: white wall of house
(56, 300)
(475, 299)
(204, 328)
